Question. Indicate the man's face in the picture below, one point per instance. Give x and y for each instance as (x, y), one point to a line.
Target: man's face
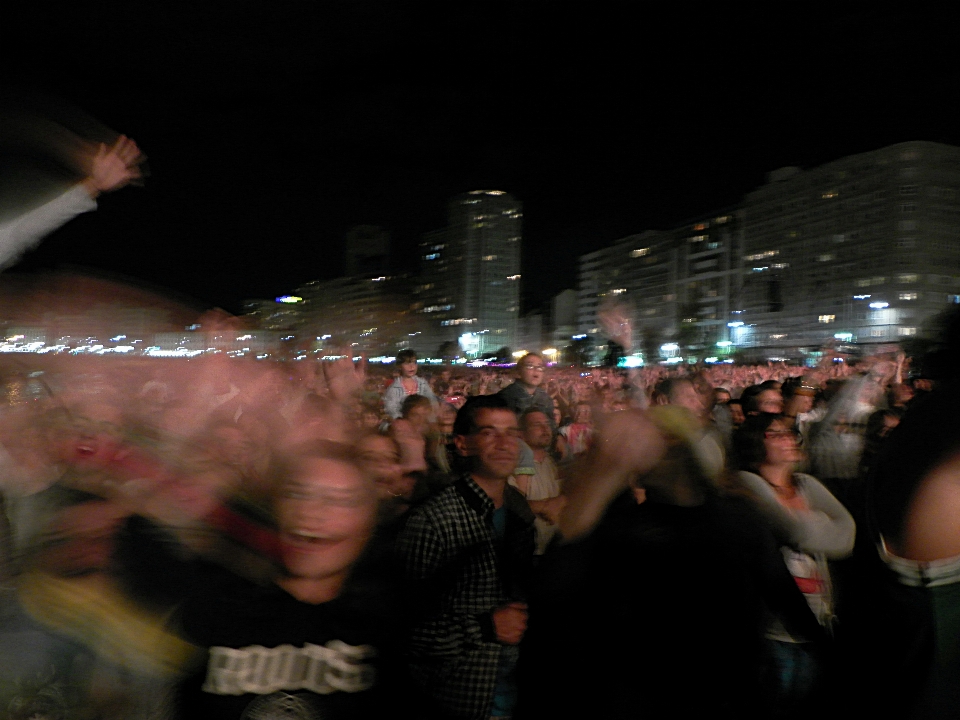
(531, 371)
(495, 444)
(770, 401)
(537, 432)
(721, 397)
(326, 515)
(408, 368)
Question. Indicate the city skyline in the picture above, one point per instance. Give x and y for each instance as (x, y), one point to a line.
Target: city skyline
(272, 131)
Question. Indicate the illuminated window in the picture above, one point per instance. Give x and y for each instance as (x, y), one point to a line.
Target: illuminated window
(640, 252)
(827, 318)
(829, 194)
(826, 257)
(908, 296)
(489, 257)
(907, 278)
(906, 331)
(761, 255)
(701, 226)
(878, 332)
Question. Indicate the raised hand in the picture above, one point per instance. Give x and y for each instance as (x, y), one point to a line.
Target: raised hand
(114, 167)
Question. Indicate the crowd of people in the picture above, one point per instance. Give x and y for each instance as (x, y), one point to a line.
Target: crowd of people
(231, 538)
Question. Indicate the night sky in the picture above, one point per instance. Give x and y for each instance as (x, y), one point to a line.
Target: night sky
(273, 126)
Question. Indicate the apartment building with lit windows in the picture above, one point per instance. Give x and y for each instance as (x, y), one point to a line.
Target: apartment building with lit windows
(639, 275)
(470, 273)
(864, 249)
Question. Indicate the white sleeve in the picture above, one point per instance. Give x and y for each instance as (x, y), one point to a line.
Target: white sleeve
(26, 231)
(827, 527)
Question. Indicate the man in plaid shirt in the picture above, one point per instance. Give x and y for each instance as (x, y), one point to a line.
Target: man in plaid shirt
(467, 553)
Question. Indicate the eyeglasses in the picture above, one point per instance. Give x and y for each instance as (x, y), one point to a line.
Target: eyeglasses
(532, 367)
(782, 435)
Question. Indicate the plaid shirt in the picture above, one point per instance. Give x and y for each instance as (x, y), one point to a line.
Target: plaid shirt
(458, 575)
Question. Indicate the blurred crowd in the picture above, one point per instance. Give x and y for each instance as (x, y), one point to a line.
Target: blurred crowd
(233, 538)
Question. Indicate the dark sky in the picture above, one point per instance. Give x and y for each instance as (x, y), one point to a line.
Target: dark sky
(272, 126)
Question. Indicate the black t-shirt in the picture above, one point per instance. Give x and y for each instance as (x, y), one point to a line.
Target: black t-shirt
(271, 656)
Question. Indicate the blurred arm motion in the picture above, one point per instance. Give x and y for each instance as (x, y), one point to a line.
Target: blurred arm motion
(110, 169)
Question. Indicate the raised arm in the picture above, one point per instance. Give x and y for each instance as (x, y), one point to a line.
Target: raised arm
(110, 169)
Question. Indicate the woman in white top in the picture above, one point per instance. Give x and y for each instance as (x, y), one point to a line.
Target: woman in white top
(812, 527)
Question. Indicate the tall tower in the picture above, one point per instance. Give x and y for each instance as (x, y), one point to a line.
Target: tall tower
(483, 234)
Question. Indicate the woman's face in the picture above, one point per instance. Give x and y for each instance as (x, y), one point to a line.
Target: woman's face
(781, 445)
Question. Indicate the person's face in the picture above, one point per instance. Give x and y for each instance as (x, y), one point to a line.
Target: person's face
(531, 371)
(583, 414)
(685, 395)
(537, 432)
(781, 445)
(495, 444)
(380, 457)
(419, 417)
(445, 417)
(770, 401)
(326, 515)
(408, 368)
(736, 414)
(721, 397)
(801, 404)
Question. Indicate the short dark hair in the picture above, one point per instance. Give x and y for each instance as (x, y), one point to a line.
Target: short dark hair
(530, 411)
(414, 401)
(749, 397)
(466, 422)
(406, 356)
(530, 354)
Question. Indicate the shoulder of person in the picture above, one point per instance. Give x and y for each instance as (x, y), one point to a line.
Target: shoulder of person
(516, 503)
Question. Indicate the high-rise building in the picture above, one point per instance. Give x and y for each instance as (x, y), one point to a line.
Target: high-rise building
(864, 249)
(435, 293)
(481, 261)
